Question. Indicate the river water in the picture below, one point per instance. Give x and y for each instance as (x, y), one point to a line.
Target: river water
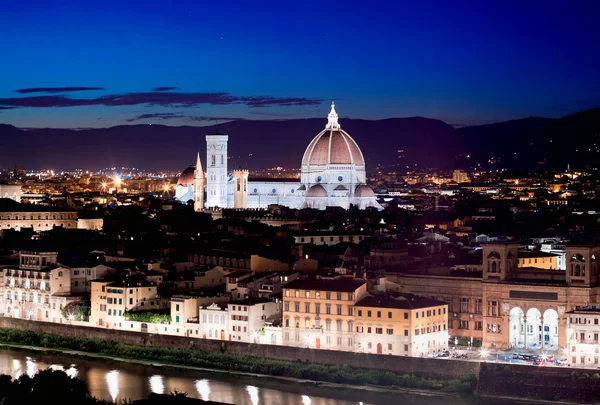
(115, 380)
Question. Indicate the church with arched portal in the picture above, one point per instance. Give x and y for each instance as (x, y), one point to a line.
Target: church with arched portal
(506, 306)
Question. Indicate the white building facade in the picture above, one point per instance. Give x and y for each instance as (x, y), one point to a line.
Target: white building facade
(583, 331)
(37, 289)
(214, 322)
(247, 318)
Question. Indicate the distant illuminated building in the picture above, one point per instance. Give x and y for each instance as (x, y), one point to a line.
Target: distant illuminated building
(11, 191)
(460, 176)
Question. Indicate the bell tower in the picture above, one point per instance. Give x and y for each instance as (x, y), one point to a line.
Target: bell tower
(583, 265)
(500, 260)
(216, 170)
(198, 186)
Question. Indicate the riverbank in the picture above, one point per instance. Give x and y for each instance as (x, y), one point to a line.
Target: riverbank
(238, 375)
(225, 362)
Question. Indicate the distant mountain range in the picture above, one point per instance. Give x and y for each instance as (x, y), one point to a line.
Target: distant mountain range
(260, 144)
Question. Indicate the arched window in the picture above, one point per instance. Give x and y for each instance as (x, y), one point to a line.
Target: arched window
(577, 270)
(494, 267)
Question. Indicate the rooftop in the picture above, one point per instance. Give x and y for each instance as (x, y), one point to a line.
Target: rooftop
(251, 301)
(340, 285)
(403, 301)
(530, 254)
(8, 205)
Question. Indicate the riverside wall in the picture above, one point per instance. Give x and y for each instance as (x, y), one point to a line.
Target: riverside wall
(507, 380)
(544, 383)
(410, 365)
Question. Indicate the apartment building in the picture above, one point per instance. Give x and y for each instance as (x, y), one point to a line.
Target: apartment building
(404, 325)
(583, 330)
(38, 288)
(109, 300)
(320, 313)
(81, 277)
(248, 317)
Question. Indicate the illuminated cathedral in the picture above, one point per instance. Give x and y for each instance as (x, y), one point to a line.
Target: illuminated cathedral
(332, 175)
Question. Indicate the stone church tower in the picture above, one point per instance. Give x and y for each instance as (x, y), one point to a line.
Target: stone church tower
(216, 170)
(198, 186)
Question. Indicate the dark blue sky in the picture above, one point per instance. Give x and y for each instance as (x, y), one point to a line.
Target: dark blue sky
(464, 62)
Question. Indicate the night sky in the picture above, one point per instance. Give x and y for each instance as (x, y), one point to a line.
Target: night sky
(102, 63)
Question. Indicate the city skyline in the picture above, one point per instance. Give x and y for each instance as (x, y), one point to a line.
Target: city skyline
(194, 65)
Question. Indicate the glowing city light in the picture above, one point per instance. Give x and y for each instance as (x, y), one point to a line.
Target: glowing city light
(117, 180)
(112, 379)
(203, 389)
(307, 340)
(306, 400)
(253, 392)
(362, 346)
(484, 353)
(166, 187)
(156, 384)
(104, 185)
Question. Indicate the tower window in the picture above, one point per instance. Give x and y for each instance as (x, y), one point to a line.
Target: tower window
(340, 178)
(274, 191)
(222, 159)
(213, 160)
(319, 178)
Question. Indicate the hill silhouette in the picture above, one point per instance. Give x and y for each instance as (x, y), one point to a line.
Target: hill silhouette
(258, 144)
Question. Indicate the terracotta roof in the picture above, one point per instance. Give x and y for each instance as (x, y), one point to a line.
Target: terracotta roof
(187, 176)
(339, 285)
(404, 301)
(333, 147)
(8, 205)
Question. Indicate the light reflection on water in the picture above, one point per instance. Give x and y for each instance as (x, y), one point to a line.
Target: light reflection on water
(112, 380)
(156, 384)
(124, 381)
(203, 388)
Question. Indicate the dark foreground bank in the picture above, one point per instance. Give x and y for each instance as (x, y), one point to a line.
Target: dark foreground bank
(43, 387)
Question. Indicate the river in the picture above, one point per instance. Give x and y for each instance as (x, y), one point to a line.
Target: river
(118, 380)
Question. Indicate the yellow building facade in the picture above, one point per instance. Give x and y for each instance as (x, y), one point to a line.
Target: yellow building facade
(320, 313)
(406, 325)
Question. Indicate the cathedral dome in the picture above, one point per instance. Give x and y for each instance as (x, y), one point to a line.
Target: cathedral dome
(333, 146)
(316, 191)
(186, 178)
(363, 191)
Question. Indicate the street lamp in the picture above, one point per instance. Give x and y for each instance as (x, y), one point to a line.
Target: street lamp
(484, 353)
